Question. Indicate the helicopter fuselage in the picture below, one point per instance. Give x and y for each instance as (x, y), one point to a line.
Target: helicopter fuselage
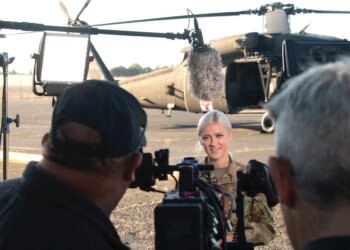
(252, 65)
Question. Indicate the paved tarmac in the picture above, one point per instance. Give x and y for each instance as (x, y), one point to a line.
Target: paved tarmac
(177, 133)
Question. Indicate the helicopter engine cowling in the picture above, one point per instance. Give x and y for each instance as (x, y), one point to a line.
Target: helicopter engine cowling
(277, 22)
(236, 47)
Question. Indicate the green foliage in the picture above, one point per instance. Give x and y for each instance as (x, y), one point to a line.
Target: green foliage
(133, 70)
(119, 71)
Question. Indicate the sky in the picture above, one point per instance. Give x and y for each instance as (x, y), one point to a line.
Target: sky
(146, 51)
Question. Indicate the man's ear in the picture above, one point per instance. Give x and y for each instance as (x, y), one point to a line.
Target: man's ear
(281, 174)
(45, 139)
(132, 163)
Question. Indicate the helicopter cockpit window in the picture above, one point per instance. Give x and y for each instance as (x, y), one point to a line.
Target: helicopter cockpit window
(299, 55)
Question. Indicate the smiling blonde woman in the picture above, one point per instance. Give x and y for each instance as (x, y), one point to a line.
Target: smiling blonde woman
(214, 131)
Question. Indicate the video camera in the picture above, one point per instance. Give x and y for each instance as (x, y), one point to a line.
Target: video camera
(191, 215)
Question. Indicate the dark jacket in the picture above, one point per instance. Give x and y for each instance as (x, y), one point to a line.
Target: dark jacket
(39, 212)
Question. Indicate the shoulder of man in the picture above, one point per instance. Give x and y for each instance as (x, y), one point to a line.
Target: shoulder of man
(9, 190)
(9, 186)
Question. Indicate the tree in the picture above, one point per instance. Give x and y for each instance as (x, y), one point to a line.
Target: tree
(119, 71)
(135, 69)
(147, 70)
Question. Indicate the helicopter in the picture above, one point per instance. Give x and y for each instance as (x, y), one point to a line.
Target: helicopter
(254, 65)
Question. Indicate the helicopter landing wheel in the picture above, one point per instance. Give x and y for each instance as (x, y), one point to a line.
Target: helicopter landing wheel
(267, 123)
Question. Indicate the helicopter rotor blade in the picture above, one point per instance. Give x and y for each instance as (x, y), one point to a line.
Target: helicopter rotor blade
(83, 8)
(305, 11)
(218, 14)
(288, 8)
(64, 9)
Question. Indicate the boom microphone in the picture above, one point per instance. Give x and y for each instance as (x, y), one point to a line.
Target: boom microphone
(206, 80)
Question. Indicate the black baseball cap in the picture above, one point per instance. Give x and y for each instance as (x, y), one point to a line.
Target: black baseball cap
(107, 108)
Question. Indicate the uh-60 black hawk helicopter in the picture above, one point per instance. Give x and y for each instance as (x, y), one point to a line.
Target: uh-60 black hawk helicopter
(229, 74)
(255, 65)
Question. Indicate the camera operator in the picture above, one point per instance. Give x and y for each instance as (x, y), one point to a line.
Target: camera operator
(214, 130)
(89, 159)
(311, 169)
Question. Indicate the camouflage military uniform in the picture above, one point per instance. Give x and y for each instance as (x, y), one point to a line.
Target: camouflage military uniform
(258, 216)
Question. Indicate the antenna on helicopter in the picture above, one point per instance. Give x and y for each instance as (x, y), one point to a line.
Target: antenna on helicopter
(303, 30)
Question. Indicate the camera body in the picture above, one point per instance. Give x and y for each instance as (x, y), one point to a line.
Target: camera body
(191, 216)
(186, 218)
(180, 222)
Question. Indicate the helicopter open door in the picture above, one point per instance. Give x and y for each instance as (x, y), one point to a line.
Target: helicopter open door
(247, 83)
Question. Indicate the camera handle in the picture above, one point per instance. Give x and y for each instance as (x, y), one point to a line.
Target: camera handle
(240, 242)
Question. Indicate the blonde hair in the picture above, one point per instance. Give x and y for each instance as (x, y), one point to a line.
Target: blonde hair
(213, 116)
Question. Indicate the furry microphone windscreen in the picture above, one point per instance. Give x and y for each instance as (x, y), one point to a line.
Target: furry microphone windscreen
(206, 80)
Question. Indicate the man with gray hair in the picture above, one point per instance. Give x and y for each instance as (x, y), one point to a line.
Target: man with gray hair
(311, 169)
